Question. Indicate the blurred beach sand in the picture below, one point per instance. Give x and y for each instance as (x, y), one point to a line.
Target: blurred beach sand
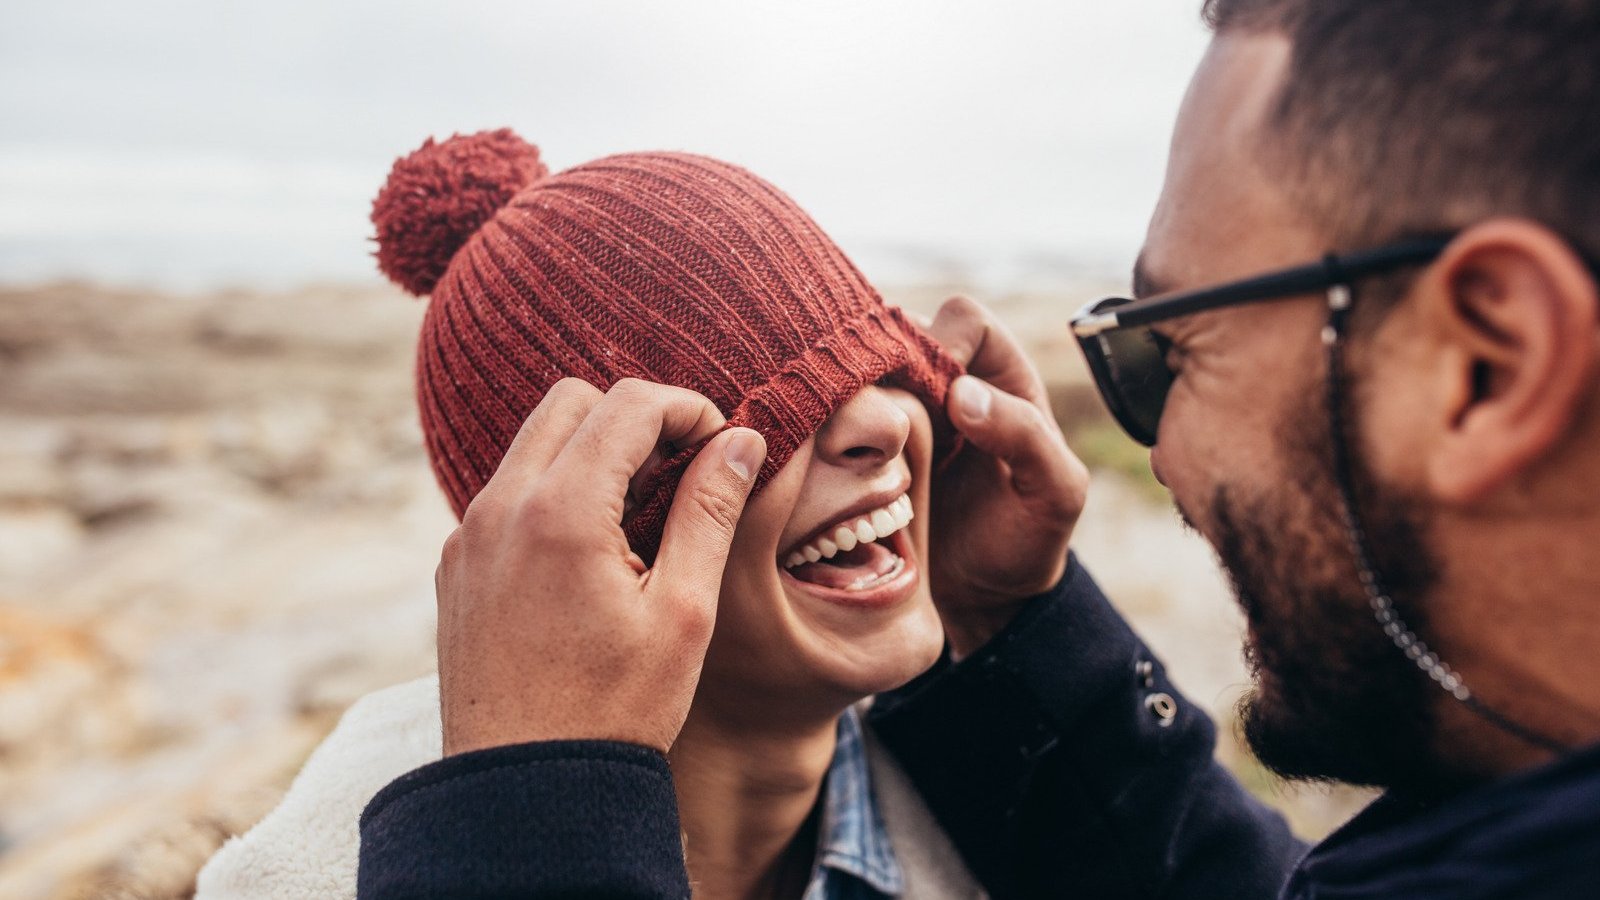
(218, 528)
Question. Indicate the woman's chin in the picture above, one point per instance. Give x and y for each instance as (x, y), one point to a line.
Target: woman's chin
(881, 655)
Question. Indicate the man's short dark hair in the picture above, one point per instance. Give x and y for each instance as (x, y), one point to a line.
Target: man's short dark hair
(1402, 116)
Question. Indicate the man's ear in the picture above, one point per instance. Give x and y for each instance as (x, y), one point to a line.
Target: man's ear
(1516, 310)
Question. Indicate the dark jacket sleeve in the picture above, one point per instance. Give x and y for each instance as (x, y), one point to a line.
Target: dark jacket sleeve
(1048, 761)
(552, 819)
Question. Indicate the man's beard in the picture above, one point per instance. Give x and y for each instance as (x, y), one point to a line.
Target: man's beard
(1333, 698)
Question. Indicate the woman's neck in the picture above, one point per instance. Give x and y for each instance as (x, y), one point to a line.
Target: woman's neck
(746, 797)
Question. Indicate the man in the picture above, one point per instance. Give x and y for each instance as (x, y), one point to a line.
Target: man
(1389, 440)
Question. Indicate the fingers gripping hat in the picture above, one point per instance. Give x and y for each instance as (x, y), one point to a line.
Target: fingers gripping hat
(668, 267)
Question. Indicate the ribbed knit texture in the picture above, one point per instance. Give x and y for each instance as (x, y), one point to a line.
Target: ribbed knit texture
(668, 267)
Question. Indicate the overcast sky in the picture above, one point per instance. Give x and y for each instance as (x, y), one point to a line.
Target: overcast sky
(196, 143)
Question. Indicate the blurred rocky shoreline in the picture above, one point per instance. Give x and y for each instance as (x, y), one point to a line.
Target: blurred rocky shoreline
(218, 528)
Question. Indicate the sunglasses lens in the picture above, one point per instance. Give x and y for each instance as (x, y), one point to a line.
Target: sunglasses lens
(1136, 369)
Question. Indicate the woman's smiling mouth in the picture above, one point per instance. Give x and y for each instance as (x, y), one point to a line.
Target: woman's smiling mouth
(863, 559)
(853, 531)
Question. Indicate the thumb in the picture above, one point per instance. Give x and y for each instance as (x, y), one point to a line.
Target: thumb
(1013, 430)
(706, 510)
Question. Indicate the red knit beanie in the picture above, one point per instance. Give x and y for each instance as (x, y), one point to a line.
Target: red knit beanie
(668, 267)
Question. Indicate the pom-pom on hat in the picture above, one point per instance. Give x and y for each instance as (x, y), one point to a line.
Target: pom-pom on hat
(669, 267)
(438, 196)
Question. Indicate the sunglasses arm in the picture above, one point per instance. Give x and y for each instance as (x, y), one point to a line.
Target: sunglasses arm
(1098, 323)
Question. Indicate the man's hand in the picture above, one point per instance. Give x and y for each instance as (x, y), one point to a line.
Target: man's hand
(1005, 508)
(550, 628)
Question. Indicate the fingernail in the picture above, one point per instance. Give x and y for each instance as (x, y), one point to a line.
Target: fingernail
(745, 452)
(973, 398)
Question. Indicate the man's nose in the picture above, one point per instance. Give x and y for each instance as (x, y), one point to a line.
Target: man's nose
(869, 430)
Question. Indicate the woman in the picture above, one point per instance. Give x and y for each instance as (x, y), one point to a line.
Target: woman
(687, 271)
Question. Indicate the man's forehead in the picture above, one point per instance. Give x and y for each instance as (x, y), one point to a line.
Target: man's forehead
(1221, 215)
(1235, 85)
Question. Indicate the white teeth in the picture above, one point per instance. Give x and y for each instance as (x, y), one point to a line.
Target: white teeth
(867, 581)
(845, 538)
(901, 512)
(874, 526)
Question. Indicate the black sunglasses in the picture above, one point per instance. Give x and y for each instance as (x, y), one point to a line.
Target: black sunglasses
(1129, 360)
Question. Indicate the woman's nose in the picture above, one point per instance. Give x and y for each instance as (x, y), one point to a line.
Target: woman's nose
(869, 430)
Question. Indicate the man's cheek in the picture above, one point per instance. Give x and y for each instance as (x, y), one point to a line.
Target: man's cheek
(1184, 462)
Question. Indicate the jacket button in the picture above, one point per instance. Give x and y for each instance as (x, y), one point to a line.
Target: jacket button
(1163, 707)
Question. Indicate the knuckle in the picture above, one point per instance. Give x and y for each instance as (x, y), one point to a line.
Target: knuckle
(718, 510)
(538, 512)
(963, 308)
(568, 393)
(1023, 421)
(1039, 421)
(691, 619)
(960, 324)
(450, 553)
(632, 388)
(484, 510)
(570, 387)
(696, 622)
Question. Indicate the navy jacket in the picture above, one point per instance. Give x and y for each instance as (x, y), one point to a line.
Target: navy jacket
(1061, 763)
(1532, 836)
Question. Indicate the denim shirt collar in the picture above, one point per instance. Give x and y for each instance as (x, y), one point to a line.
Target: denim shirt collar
(852, 842)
